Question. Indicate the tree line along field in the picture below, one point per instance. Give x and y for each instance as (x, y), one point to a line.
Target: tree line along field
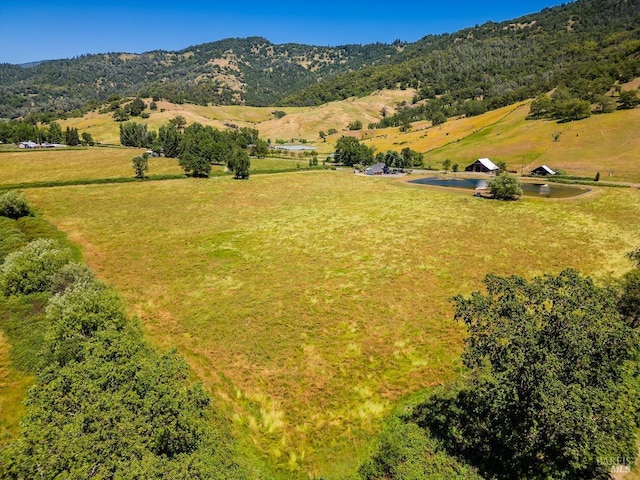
(311, 304)
(602, 143)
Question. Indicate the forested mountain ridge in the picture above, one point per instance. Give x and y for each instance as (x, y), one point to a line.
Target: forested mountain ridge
(233, 71)
(586, 45)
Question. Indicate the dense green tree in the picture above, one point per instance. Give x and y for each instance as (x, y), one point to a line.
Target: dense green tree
(355, 125)
(438, 118)
(178, 122)
(169, 137)
(404, 451)
(571, 109)
(391, 158)
(140, 164)
(260, 148)
(30, 269)
(541, 106)
(13, 204)
(604, 104)
(551, 389)
(505, 186)
(410, 158)
(134, 134)
(70, 274)
(239, 163)
(120, 115)
(71, 137)
(135, 107)
(54, 133)
(446, 164)
(472, 108)
(629, 302)
(107, 406)
(87, 139)
(194, 165)
(629, 99)
(350, 152)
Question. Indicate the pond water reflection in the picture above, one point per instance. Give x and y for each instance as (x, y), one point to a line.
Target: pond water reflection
(546, 190)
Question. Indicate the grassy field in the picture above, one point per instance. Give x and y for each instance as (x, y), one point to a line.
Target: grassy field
(28, 166)
(310, 304)
(87, 164)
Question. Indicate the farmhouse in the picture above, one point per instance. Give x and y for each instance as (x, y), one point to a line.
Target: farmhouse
(31, 144)
(377, 169)
(542, 170)
(482, 165)
(293, 148)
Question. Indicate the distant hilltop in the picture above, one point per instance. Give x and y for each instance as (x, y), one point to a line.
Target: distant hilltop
(587, 46)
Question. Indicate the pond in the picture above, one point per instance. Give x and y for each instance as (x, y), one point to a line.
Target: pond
(538, 189)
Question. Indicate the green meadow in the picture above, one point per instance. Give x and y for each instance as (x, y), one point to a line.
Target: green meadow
(94, 164)
(311, 304)
(63, 165)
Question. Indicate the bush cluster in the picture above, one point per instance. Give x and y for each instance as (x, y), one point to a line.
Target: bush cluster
(31, 269)
(105, 404)
(14, 205)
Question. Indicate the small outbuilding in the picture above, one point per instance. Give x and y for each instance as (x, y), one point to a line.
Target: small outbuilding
(483, 165)
(377, 169)
(543, 170)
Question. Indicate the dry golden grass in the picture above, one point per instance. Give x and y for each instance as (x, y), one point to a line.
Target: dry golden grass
(76, 164)
(423, 137)
(300, 122)
(310, 304)
(307, 123)
(605, 143)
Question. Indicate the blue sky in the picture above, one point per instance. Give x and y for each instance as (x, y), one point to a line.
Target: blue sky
(50, 29)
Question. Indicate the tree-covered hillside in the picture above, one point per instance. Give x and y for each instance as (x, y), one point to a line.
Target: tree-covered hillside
(233, 71)
(587, 45)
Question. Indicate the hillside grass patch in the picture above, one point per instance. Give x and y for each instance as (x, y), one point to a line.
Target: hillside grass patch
(602, 143)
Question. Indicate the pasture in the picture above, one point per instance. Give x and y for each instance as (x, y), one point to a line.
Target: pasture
(78, 165)
(61, 165)
(310, 304)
